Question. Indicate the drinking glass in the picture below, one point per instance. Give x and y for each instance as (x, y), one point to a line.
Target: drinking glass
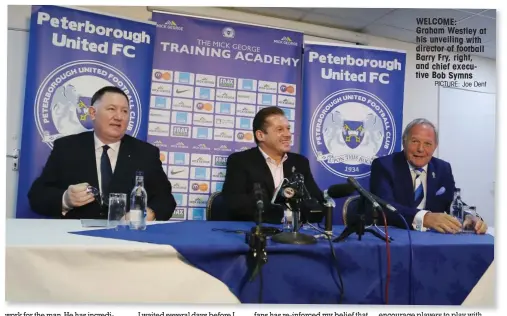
(470, 219)
(117, 210)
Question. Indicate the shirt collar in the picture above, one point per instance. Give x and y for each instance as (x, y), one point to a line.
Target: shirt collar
(99, 143)
(266, 156)
(412, 168)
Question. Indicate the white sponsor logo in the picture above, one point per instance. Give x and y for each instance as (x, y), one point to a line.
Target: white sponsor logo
(197, 200)
(218, 174)
(179, 185)
(226, 95)
(182, 104)
(223, 134)
(267, 86)
(161, 89)
(177, 172)
(159, 116)
(224, 121)
(205, 80)
(183, 91)
(247, 97)
(246, 110)
(287, 101)
(157, 129)
(203, 119)
(201, 160)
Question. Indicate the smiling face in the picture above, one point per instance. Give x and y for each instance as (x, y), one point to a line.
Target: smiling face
(277, 138)
(420, 145)
(110, 117)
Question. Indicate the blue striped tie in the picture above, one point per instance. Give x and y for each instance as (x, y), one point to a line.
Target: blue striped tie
(418, 187)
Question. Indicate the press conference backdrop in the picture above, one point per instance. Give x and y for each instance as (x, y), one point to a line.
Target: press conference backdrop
(352, 111)
(67, 65)
(209, 80)
(18, 39)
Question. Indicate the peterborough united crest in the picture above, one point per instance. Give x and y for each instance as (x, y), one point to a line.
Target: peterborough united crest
(63, 99)
(349, 129)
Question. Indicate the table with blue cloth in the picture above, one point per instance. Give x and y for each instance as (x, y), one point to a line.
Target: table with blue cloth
(444, 268)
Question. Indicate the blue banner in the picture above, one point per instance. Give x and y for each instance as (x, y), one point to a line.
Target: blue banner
(209, 80)
(352, 111)
(72, 54)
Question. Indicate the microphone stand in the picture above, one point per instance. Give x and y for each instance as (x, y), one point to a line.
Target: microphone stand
(359, 228)
(294, 237)
(257, 242)
(329, 205)
(374, 229)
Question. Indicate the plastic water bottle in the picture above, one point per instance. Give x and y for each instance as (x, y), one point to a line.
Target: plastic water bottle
(138, 203)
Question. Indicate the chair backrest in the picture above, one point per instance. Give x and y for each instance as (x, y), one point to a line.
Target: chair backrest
(350, 208)
(215, 208)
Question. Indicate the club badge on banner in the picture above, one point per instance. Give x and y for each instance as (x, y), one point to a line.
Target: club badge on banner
(352, 111)
(209, 80)
(72, 54)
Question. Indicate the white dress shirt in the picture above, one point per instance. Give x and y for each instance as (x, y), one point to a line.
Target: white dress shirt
(276, 169)
(112, 152)
(419, 217)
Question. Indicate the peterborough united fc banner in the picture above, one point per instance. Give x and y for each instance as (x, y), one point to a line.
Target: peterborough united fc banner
(209, 80)
(72, 54)
(352, 111)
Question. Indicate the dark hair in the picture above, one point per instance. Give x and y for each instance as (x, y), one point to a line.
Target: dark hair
(100, 93)
(259, 121)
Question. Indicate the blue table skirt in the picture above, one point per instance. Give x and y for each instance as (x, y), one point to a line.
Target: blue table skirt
(445, 267)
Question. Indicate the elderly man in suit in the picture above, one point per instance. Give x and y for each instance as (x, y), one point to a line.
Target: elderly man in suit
(268, 164)
(105, 158)
(419, 185)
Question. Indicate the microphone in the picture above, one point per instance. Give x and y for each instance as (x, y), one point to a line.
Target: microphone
(363, 192)
(384, 204)
(339, 190)
(258, 194)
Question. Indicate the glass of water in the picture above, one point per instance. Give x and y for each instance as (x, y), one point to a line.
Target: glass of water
(470, 219)
(117, 210)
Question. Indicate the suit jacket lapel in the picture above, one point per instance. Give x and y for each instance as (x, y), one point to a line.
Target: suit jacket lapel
(121, 170)
(264, 171)
(404, 178)
(289, 168)
(431, 185)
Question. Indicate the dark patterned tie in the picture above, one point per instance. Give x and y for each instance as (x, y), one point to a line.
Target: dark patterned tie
(106, 173)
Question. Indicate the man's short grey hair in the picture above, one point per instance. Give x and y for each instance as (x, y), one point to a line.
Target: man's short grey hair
(418, 121)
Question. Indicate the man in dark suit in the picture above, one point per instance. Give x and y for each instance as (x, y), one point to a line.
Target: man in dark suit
(106, 159)
(267, 164)
(419, 185)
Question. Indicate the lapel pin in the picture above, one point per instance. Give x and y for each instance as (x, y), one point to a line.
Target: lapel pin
(433, 174)
(293, 169)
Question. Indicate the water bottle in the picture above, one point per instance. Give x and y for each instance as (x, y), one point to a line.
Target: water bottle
(138, 203)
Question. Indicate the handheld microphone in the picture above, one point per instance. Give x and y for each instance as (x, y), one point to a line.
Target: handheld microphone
(363, 192)
(258, 194)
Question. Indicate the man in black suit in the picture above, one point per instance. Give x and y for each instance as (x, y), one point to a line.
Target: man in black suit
(267, 164)
(106, 159)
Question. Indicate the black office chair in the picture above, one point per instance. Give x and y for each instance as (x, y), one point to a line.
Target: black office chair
(216, 209)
